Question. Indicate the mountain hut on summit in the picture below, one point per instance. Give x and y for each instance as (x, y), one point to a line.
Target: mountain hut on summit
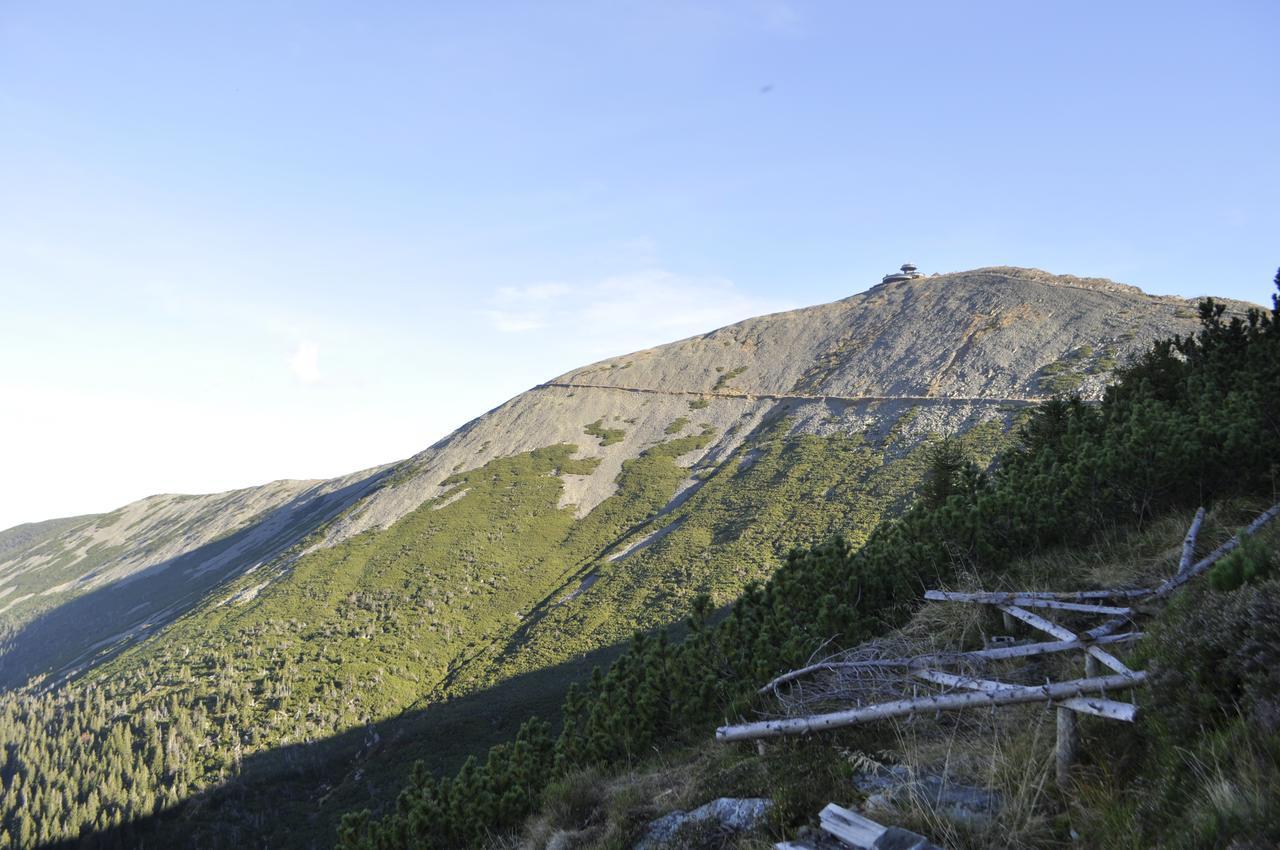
(908, 272)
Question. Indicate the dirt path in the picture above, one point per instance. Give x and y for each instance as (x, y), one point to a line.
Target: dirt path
(794, 397)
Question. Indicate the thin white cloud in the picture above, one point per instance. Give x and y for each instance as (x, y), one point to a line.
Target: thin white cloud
(626, 312)
(305, 362)
(532, 293)
(525, 308)
(515, 322)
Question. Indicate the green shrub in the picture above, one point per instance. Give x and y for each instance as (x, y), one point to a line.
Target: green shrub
(1209, 770)
(608, 436)
(676, 426)
(1252, 562)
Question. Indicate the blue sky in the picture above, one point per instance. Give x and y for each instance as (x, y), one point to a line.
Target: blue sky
(243, 240)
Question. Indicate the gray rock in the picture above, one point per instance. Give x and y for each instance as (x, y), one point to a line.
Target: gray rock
(895, 838)
(730, 814)
(892, 787)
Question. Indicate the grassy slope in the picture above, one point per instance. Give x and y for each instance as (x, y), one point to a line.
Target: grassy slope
(468, 592)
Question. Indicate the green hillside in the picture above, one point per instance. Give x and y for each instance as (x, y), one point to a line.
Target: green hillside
(305, 687)
(488, 584)
(1193, 421)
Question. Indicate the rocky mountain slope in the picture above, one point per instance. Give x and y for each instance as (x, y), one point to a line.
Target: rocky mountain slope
(885, 368)
(442, 599)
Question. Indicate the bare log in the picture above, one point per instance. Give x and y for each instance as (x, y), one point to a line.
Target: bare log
(1189, 544)
(1068, 743)
(1099, 707)
(944, 702)
(1110, 709)
(1027, 600)
(1025, 650)
(985, 685)
(1073, 595)
(1063, 633)
(850, 827)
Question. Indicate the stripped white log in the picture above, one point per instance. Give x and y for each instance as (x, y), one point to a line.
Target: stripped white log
(1025, 650)
(1025, 599)
(1189, 544)
(1073, 595)
(1099, 707)
(943, 702)
(951, 680)
(850, 827)
(1110, 709)
(1063, 633)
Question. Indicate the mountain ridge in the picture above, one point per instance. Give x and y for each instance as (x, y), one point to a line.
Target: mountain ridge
(536, 540)
(954, 350)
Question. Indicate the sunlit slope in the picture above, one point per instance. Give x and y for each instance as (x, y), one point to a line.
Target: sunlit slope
(99, 583)
(605, 500)
(833, 397)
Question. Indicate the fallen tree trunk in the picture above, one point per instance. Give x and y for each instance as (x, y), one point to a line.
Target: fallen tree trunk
(1189, 544)
(944, 702)
(1097, 706)
(1025, 650)
(1063, 633)
(1028, 600)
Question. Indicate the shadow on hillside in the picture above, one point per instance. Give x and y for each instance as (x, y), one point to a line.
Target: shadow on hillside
(97, 626)
(294, 796)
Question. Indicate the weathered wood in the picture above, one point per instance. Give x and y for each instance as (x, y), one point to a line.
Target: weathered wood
(850, 827)
(1026, 600)
(1097, 706)
(1025, 650)
(944, 702)
(1066, 596)
(1063, 633)
(1189, 543)
(1068, 743)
